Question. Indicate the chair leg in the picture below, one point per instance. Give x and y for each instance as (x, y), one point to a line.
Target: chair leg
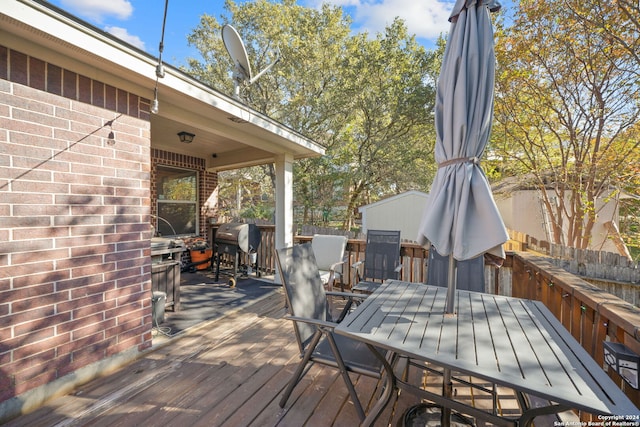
(300, 369)
(345, 376)
(388, 389)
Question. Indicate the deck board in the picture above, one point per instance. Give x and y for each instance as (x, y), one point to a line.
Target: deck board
(228, 372)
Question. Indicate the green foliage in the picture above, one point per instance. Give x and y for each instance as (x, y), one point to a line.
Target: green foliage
(367, 100)
(259, 211)
(567, 101)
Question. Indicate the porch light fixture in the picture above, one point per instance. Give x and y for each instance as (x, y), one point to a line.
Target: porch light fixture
(111, 138)
(154, 103)
(186, 137)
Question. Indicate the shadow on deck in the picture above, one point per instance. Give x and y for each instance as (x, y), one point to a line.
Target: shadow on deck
(228, 368)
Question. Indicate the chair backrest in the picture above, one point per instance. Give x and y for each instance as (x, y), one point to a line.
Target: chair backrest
(304, 291)
(469, 274)
(328, 249)
(382, 255)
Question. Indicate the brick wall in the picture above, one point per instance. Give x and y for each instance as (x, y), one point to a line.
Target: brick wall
(207, 184)
(74, 222)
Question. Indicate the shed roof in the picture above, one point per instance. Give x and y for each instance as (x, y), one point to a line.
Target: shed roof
(392, 199)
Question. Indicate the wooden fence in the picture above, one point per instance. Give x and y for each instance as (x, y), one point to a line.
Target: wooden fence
(582, 262)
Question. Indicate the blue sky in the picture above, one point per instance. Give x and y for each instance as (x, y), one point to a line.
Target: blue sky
(139, 22)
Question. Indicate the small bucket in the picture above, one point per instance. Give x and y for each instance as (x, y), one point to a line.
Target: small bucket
(198, 255)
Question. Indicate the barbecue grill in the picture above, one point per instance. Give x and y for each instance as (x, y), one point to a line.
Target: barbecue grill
(234, 239)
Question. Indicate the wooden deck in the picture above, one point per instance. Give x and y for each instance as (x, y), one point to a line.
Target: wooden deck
(227, 372)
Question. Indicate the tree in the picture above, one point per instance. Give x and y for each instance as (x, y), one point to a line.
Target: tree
(367, 101)
(567, 100)
(619, 22)
(389, 140)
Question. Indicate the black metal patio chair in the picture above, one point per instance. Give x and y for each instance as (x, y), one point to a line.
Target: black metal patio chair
(309, 310)
(469, 273)
(381, 260)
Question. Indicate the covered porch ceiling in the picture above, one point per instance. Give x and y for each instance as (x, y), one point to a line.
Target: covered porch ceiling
(228, 134)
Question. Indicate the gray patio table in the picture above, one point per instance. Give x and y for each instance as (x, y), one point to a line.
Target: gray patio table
(506, 341)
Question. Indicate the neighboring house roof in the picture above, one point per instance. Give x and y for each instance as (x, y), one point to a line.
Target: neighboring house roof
(238, 135)
(511, 184)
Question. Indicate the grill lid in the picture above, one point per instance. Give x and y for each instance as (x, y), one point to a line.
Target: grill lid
(245, 236)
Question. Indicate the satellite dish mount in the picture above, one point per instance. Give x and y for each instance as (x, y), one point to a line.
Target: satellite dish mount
(242, 68)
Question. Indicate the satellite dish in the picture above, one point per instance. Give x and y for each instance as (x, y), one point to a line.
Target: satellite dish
(242, 68)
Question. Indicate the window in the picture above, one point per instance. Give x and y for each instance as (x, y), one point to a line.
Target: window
(177, 201)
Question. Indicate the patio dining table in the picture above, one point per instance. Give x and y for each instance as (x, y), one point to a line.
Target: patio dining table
(506, 341)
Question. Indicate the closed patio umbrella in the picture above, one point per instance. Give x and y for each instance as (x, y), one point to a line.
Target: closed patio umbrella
(461, 219)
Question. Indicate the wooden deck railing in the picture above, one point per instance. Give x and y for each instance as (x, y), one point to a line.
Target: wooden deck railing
(590, 314)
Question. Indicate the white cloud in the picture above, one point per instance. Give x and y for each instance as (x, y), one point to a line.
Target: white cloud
(97, 10)
(424, 18)
(124, 35)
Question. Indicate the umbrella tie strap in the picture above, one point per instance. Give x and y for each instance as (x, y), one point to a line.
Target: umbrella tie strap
(473, 160)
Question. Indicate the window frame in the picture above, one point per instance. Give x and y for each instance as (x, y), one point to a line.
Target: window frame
(160, 200)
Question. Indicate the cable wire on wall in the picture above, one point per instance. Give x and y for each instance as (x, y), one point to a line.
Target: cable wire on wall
(160, 66)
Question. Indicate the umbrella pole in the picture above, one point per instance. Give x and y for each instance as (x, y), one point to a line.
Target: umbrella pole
(451, 285)
(447, 385)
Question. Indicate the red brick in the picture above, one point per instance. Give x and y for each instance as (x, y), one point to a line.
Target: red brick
(37, 74)
(40, 96)
(84, 89)
(19, 222)
(4, 63)
(73, 264)
(29, 128)
(26, 274)
(45, 301)
(40, 256)
(34, 325)
(93, 332)
(5, 333)
(69, 84)
(39, 233)
(89, 345)
(110, 102)
(74, 305)
(97, 288)
(18, 67)
(97, 93)
(54, 79)
(80, 122)
(79, 282)
(123, 101)
(93, 260)
(70, 220)
(33, 199)
(39, 209)
(40, 119)
(41, 186)
(32, 343)
(92, 230)
(25, 292)
(133, 105)
(83, 358)
(93, 247)
(29, 104)
(24, 384)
